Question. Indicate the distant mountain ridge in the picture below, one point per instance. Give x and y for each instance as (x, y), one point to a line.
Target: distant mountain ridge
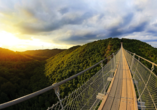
(8, 55)
(44, 52)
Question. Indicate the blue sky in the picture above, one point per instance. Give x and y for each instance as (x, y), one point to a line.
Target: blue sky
(39, 24)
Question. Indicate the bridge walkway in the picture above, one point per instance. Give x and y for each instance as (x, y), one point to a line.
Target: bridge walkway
(121, 93)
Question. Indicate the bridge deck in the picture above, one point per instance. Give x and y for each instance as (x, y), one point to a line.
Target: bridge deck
(121, 93)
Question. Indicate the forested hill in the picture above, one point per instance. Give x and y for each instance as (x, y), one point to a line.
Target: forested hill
(21, 77)
(141, 48)
(66, 64)
(8, 55)
(46, 53)
(76, 59)
(21, 74)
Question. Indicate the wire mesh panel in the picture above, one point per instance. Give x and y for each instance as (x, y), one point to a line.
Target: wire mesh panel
(118, 56)
(146, 83)
(84, 97)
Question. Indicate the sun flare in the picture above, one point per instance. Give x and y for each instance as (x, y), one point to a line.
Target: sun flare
(10, 41)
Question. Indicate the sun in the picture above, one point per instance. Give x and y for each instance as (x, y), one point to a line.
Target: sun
(12, 42)
(8, 39)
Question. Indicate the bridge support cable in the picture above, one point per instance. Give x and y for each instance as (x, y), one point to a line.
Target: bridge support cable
(145, 81)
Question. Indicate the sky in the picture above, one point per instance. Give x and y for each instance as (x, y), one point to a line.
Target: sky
(48, 24)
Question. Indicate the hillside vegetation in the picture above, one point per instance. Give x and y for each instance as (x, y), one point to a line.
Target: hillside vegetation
(8, 55)
(47, 53)
(18, 78)
(21, 74)
(143, 49)
(76, 59)
(24, 73)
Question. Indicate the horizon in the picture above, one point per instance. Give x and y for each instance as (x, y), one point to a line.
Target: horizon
(69, 47)
(37, 24)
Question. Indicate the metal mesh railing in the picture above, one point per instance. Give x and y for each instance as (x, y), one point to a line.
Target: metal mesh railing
(84, 98)
(145, 81)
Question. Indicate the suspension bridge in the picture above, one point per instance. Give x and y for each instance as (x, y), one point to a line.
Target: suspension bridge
(124, 83)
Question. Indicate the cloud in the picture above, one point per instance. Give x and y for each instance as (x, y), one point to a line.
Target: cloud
(154, 43)
(64, 10)
(71, 23)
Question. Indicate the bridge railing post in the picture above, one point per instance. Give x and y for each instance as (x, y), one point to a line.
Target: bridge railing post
(58, 95)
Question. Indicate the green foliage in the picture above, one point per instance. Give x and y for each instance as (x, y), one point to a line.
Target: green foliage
(8, 55)
(20, 78)
(142, 49)
(77, 59)
(22, 73)
(47, 53)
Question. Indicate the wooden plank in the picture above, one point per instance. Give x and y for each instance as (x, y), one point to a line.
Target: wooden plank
(116, 102)
(129, 93)
(112, 93)
(108, 104)
(131, 96)
(110, 100)
(115, 105)
(134, 95)
(123, 96)
(133, 101)
(108, 91)
(121, 93)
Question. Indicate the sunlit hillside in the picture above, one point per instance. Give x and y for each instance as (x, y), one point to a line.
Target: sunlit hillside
(43, 53)
(22, 73)
(8, 55)
(76, 59)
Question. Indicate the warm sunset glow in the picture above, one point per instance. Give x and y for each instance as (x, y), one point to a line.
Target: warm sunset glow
(10, 41)
(47, 24)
